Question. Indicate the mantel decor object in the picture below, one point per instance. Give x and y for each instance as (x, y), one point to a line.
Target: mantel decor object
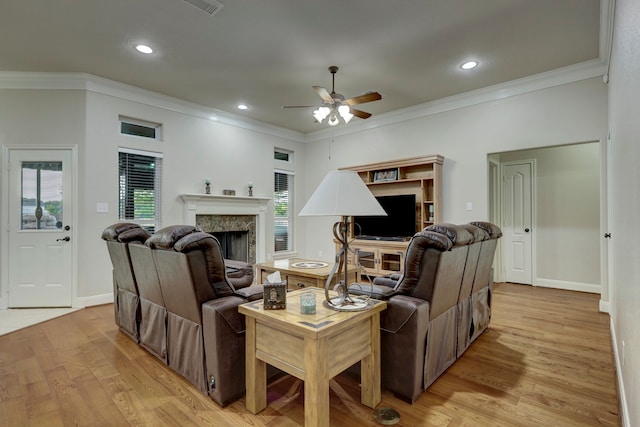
(229, 192)
(250, 187)
(207, 186)
(342, 193)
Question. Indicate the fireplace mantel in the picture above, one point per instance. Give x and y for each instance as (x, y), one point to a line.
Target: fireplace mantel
(213, 204)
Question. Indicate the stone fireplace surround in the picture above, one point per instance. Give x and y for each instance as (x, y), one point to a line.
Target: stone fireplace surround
(230, 213)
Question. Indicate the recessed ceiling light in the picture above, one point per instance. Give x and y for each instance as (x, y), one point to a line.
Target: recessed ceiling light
(142, 48)
(242, 107)
(469, 65)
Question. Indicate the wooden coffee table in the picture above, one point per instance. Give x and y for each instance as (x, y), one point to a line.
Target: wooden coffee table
(312, 273)
(311, 347)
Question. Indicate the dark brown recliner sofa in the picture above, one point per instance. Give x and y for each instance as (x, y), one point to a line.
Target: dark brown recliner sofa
(419, 329)
(205, 332)
(126, 297)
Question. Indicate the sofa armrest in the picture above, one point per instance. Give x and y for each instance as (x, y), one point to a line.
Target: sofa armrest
(224, 342)
(239, 273)
(400, 310)
(403, 333)
(250, 293)
(390, 280)
(373, 290)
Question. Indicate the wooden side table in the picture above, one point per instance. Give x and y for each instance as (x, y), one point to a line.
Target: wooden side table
(311, 347)
(297, 277)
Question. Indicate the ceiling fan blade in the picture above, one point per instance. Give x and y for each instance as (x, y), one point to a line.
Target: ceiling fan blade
(324, 94)
(367, 97)
(360, 113)
(299, 106)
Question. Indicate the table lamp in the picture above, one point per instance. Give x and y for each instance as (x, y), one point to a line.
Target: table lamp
(344, 194)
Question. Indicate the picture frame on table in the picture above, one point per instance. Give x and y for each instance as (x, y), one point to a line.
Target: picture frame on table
(385, 175)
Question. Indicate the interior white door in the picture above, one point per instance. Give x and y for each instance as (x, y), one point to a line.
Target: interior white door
(517, 222)
(40, 235)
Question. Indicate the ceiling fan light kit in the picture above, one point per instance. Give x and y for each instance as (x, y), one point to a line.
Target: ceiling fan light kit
(335, 106)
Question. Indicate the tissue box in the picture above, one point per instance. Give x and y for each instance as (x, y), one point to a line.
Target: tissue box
(275, 296)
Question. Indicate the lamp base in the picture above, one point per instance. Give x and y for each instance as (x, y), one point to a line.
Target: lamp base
(349, 304)
(344, 301)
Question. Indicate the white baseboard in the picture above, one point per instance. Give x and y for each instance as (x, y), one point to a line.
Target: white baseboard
(604, 306)
(82, 302)
(569, 286)
(624, 408)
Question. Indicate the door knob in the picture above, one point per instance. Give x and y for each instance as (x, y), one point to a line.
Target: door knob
(607, 235)
(64, 239)
(526, 230)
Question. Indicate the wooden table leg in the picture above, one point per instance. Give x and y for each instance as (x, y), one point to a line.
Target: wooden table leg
(316, 383)
(370, 394)
(256, 372)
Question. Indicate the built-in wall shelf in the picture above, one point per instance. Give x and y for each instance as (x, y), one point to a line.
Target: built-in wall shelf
(421, 176)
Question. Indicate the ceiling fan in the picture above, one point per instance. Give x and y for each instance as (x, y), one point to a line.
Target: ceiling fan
(335, 105)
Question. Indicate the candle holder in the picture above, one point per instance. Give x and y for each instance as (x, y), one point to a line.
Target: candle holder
(207, 186)
(308, 303)
(250, 186)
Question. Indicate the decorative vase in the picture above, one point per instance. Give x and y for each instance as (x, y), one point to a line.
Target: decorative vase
(207, 189)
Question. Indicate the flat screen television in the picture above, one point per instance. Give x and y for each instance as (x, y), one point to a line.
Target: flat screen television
(400, 222)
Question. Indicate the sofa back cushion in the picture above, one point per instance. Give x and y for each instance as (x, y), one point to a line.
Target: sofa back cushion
(421, 262)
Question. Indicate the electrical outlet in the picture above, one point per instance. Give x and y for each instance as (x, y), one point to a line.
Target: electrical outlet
(469, 206)
(102, 207)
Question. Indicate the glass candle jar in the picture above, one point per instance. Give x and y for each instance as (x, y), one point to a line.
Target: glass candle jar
(308, 303)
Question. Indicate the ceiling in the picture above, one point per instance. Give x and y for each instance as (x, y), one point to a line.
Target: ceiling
(268, 54)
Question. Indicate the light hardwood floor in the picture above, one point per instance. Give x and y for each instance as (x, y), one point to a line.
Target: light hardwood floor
(545, 361)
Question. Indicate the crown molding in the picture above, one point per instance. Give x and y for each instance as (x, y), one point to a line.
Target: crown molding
(573, 73)
(88, 82)
(91, 83)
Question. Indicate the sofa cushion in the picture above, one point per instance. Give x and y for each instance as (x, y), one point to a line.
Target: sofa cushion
(416, 261)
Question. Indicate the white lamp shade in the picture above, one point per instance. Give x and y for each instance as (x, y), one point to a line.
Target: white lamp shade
(342, 193)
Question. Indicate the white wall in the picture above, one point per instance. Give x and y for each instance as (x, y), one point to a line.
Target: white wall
(624, 104)
(565, 114)
(567, 216)
(193, 147)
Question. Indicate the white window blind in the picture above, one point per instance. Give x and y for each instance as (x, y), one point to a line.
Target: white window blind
(139, 188)
(283, 210)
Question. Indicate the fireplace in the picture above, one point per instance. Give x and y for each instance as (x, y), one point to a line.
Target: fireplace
(234, 244)
(230, 214)
(236, 234)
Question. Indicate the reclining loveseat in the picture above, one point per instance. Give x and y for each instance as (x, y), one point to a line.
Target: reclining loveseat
(186, 306)
(436, 307)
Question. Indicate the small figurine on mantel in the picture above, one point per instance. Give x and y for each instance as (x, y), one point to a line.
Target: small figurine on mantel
(250, 186)
(207, 186)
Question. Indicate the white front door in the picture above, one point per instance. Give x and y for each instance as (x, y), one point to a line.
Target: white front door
(40, 235)
(517, 222)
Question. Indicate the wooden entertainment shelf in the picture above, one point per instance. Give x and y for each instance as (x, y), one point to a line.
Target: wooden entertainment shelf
(421, 176)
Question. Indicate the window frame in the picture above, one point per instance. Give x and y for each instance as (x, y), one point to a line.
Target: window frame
(149, 224)
(290, 218)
